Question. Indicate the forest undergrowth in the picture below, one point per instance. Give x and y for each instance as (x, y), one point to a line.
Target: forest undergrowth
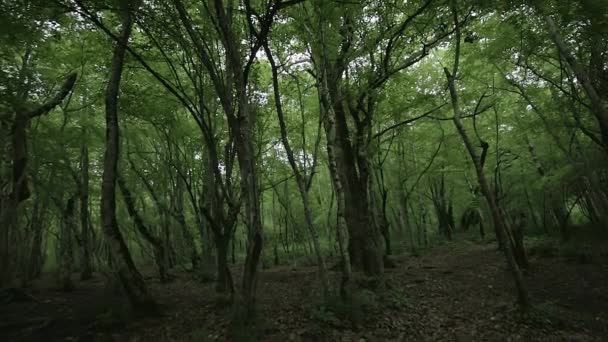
(454, 292)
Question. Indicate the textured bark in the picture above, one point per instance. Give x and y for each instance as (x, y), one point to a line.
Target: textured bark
(122, 263)
(224, 277)
(342, 232)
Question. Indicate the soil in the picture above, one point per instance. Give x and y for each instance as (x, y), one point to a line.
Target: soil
(448, 294)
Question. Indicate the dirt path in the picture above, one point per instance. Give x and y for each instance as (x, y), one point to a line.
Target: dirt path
(449, 294)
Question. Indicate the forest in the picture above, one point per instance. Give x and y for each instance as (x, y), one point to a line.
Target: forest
(303, 170)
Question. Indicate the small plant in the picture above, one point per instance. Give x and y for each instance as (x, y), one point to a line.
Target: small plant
(397, 299)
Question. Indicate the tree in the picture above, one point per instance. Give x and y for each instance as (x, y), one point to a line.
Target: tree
(500, 223)
(129, 277)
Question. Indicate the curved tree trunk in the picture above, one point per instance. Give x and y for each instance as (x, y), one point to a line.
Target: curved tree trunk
(500, 223)
(124, 268)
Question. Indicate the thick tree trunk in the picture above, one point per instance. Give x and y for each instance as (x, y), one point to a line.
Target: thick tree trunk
(131, 280)
(224, 278)
(365, 247)
(342, 233)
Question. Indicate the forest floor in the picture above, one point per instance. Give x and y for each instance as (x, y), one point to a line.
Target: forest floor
(451, 293)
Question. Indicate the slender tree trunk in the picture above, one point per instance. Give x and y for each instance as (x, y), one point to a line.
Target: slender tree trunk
(86, 270)
(497, 216)
(131, 280)
(498, 219)
(300, 179)
(160, 252)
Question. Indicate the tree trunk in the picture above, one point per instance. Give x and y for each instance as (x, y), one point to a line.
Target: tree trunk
(131, 280)
(342, 233)
(224, 278)
(300, 179)
(497, 216)
(36, 257)
(66, 240)
(160, 252)
(86, 271)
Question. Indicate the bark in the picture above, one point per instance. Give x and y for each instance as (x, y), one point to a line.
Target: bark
(86, 270)
(129, 277)
(224, 277)
(342, 233)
